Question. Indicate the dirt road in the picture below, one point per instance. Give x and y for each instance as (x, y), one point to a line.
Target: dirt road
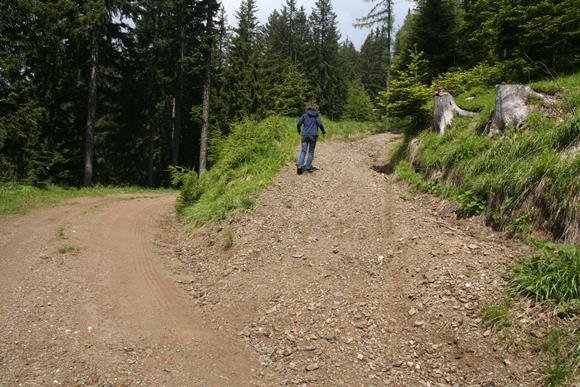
(340, 277)
(107, 311)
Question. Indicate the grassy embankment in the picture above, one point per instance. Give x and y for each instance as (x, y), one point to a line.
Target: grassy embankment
(523, 181)
(18, 198)
(528, 183)
(245, 162)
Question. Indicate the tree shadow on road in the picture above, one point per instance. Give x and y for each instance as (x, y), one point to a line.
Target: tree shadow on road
(396, 155)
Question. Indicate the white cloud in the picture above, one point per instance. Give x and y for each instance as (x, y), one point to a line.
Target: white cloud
(346, 10)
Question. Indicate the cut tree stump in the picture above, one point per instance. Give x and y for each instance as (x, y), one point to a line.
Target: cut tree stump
(512, 107)
(444, 111)
(412, 151)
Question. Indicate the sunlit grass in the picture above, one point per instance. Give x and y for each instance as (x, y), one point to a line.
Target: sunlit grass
(18, 199)
(522, 173)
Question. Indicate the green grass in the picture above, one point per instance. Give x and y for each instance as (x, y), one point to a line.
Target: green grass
(348, 130)
(497, 314)
(563, 350)
(244, 163)
(228, 239)
(18, 199)
(567, 87)
(552, 275)
(62, 233)
(68, 250)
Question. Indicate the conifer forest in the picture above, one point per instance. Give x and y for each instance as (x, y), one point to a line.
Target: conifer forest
(114, 92)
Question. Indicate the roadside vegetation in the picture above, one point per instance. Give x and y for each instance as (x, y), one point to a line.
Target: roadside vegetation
(551, 276)
(563, 350)
(68, 250)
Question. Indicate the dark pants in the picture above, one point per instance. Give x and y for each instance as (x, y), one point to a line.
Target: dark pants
(308, 146)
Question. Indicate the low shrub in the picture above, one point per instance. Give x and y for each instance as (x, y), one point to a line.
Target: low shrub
(458, 82)
(470, 203)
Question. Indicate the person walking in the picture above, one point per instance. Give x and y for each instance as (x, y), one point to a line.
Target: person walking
(311, 122)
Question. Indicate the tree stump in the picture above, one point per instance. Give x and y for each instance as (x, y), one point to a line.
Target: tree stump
(412, 152)
(444, 111)
(512, 107)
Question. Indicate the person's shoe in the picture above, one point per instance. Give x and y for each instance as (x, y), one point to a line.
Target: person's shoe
(299, 170)
(312, 169)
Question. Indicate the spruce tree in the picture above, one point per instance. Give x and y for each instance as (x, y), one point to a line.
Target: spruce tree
(382, 14)
(374, 62)
(276, 54)
(358, 105)
(410, 94)
(301, 38)
(324, 61)
(402, 44)
(22, 148)
(350, 62)
(211, 7)
(286, 38)
(219, 89)
(169, 57)
(292, 94)
(245, 70)
(435, 31)
(540, 35)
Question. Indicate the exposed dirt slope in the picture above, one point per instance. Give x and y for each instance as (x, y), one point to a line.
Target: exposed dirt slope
(337, 277)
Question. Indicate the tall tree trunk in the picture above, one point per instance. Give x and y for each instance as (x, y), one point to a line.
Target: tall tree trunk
(151, 161)
(178, 105)
(387, 116)
(206, 98)
(151, 126)
(92, 112)
(390, 20)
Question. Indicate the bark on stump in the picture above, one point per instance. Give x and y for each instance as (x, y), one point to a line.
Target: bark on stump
(572, 223)
(444, 111)
(512, 107)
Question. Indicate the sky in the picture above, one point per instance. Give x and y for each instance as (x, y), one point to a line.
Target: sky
(346, 10)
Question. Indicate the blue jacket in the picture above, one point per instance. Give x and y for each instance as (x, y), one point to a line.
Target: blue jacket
(311, 121)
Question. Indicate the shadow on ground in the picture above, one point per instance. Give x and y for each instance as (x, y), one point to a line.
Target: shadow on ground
(394, 158)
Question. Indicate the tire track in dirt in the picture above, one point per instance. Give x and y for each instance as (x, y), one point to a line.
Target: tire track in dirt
(111, 314)
(30, 237)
